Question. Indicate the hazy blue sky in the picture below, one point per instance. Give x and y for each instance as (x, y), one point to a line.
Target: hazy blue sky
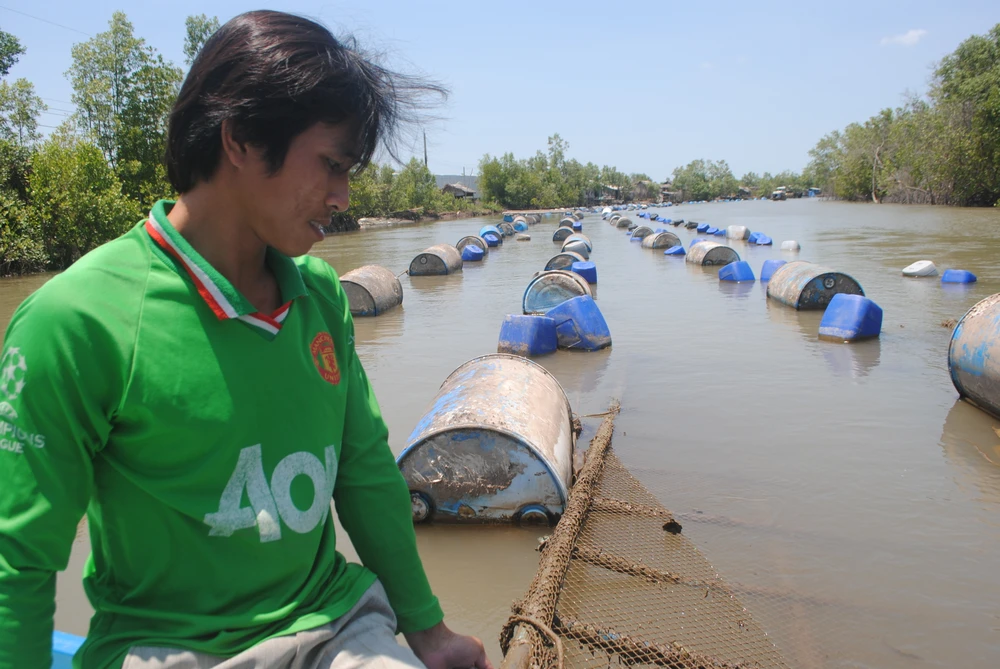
(644, 86)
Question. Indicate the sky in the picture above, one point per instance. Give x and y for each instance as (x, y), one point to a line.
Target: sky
(643, 86)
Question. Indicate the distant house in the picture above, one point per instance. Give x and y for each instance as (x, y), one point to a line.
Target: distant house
(668, 194)
(458, 190)
(610, 193)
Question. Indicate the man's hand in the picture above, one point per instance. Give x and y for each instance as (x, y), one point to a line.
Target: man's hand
(440, 648)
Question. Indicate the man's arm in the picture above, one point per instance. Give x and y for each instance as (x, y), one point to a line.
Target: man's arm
(54, 387)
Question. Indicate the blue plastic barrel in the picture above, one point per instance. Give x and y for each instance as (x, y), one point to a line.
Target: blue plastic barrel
(493, 239)
(527, 335)
(508, 218)
(736, 271)
(720, 232)
(768, 268)
(472, 253)
(578, 226)
(850, 318)
(580, 325)
(703, 227)
(587, 270)
(521, 226)
(711, 230)
(764, 240)
(491, 229)
(674, 251)
(64, 647)
(958, 276)
(752, 239)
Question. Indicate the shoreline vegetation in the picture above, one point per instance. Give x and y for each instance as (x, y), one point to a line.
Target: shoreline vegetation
(96, 174)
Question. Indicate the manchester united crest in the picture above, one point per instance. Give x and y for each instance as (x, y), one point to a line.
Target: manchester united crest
(325, 357)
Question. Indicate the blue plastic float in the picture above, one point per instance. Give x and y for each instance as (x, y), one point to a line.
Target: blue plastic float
(712, 230)
(521, 226)
(580, 324)
(527, 335)
(768, 268)
(492, 239)
(472, 253)
(508, 218)
(850, 318)
(763, 240)
(737, 271)
(703, 227)
(720, 233)
(752, 239)
(578, 226)
(64, 647)
(958, 276)
(674, 251)
(586, 269)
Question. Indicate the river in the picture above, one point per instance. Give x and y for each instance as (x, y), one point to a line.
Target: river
(854, 486)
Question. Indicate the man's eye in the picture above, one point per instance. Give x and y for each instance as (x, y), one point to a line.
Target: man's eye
(333, 165)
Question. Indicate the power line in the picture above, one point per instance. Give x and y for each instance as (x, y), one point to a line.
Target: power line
(65, 102)
(38, 18)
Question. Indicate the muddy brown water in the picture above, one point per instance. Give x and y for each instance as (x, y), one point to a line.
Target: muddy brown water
(843, 487)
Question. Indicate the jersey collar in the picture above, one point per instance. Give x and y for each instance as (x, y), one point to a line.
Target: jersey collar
(219, 294)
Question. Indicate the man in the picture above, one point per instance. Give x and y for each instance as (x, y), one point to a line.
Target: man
(196, 392)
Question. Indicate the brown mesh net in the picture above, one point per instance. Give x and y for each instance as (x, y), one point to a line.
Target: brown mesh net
(619, 584)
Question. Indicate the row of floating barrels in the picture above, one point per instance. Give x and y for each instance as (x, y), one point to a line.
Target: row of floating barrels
(372, 289)
(848, 316)
(496, 443)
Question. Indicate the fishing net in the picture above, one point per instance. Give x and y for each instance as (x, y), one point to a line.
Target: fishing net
(618, 583)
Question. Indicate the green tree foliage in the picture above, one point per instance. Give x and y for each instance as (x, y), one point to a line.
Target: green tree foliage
(19, 111)
(706, 180)
(10, 52)
(123, 91)
(942, 150)
(199, 29)
(77, 198)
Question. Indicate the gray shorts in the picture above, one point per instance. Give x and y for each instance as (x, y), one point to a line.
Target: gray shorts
(365, 636)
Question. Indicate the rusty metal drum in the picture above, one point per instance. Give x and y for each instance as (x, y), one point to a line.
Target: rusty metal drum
(711, 253)
(974, 355)
(564, 260)
(552, 288)
(437, 259)
(660, 240)
(804, 285)
(371, 290)
(496, 445)
(475, 240)
(506, 229)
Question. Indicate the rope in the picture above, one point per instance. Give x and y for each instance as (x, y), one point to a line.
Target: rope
(508, 632)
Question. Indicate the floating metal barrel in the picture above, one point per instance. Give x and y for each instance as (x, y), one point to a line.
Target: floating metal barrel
(496, 445)
(641, 232)
(561, 234)
(534, 219)
(551, 288)
(475, 241)
(579, 236)
(506, 229)
(567, 222)
(623, 222)
(577, 246)
(974, 355)
(371, 290)
(660, 240)
(711, 253)
(437, 259)
(563, 260)
(578, 215)
(804, 285)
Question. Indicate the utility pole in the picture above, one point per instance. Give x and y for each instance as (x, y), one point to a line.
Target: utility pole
(425, 148)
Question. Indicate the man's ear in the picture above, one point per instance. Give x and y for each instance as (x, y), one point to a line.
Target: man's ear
(235, 150)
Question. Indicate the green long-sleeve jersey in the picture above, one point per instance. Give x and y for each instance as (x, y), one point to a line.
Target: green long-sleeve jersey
(204, 441)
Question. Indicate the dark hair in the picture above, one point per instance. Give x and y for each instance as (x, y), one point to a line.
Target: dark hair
(273, 76)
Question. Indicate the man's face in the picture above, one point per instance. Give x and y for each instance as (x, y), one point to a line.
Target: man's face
(286, 209)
